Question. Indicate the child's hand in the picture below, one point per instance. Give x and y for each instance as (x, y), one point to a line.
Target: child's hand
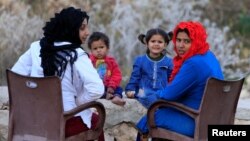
(109, 96)
(130, 94)
(110, 90)
(110, 93)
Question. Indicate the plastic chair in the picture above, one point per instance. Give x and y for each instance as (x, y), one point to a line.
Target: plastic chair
(218, 106)
(36, 110)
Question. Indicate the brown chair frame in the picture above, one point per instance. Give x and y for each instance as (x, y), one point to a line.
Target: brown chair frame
(218, 107)
(36, 110)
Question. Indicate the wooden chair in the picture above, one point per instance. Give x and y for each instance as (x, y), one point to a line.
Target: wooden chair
(218, 106)
(36, 110)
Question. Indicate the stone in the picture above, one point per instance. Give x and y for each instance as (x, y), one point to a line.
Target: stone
(4, 119)
(3, 97)
(121, 132)
(243, 109)
(120, 120)
(130, 112)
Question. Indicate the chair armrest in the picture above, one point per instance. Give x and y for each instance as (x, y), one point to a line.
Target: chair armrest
(164, 103)
(93, 104)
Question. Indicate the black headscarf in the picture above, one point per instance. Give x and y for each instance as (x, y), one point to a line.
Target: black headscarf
(64, 27)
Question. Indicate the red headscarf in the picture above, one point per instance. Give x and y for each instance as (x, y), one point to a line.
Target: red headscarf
(199, 45)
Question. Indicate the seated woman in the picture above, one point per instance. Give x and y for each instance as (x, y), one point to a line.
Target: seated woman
(193, 65)
(60, 53)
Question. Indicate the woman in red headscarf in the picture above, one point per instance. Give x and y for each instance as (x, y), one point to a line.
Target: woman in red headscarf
(194, 63)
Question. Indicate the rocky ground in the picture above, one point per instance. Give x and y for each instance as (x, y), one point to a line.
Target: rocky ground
(120, 121)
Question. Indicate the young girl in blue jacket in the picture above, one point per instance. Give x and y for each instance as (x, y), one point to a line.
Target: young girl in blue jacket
(152, 70)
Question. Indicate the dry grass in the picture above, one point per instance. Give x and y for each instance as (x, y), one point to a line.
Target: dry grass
(21, 23)
(17, 30)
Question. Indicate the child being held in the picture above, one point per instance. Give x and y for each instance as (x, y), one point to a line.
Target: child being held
(106, 67)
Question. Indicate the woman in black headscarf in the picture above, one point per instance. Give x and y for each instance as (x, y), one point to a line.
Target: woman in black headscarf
(60, 53)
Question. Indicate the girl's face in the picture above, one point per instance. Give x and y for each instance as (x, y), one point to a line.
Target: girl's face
(183, 43)
(84, 31)
(99, 49)
(156, 45)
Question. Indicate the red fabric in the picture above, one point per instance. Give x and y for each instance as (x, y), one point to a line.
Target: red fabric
(75, 126)
(199, 45)
(113, 75)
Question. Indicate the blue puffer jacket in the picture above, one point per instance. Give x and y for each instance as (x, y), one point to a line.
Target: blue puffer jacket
(150, 76)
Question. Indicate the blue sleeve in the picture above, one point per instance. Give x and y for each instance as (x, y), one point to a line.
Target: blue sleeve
(133, 84)
(170, 67)
(184, 79)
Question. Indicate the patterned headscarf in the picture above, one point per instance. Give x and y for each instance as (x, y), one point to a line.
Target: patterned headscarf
(199, 45)
(64, 27)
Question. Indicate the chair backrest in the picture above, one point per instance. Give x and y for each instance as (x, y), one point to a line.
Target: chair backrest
(36, 110)
(218, 105)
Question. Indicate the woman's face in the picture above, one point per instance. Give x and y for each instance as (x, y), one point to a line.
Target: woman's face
(156, 44)
(183, 43)
(84, 31)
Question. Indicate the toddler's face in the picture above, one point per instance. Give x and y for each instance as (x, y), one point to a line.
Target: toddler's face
(99, 49)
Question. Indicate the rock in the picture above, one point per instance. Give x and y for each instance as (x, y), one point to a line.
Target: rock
(241, 122)
(121, 132)
(3, 97)
(131, 112)
(243, 109)
(120, 121)
(4, 118)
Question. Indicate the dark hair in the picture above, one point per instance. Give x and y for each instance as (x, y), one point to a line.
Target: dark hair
(95, 36)
(155, 31)
(182, 30)
(63, 27)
